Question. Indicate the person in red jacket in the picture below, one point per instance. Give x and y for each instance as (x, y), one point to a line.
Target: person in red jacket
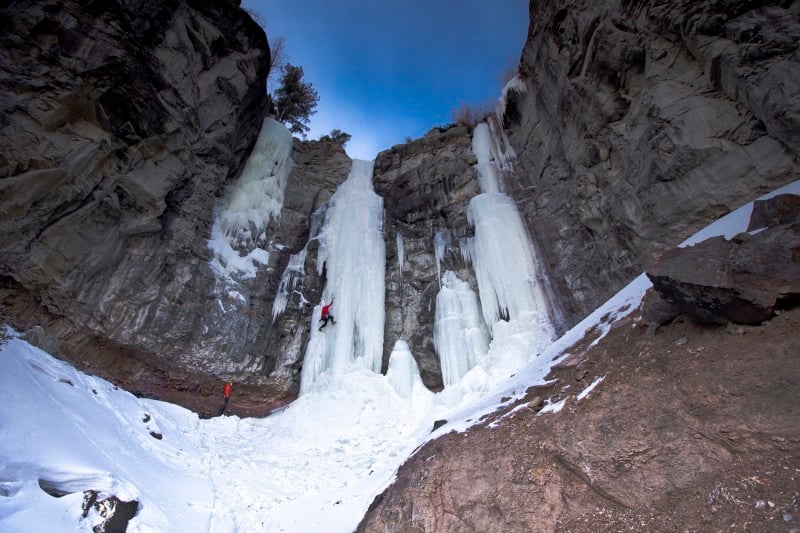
(226, 395)
(326, 315)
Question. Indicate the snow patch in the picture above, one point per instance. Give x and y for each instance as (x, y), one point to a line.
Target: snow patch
(585, 392)
(551, 407)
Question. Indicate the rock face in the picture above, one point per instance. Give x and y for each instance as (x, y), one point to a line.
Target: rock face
(124, 128)
(125, 125)
(780, 209)
(640, 122)
(427, 184)
(634, 126)
(743, 280)
(122, 123)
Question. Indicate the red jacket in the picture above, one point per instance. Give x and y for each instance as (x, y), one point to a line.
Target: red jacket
(227, 391)
(326, 308)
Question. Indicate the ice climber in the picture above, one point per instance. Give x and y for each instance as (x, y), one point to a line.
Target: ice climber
(226, 395)
(326, 315)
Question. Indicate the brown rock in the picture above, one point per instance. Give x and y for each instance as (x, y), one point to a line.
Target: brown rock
(780, 209)
(657, 311)
(721, 281)
(667, 451)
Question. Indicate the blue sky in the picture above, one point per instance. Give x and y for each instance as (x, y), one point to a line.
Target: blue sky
(390, 70)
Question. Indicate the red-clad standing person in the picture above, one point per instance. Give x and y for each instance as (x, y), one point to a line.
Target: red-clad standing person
(226, 395)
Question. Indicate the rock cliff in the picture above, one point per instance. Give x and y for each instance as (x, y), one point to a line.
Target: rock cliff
(427, 185)
(122, 123)
(126, 124)
(640, 122)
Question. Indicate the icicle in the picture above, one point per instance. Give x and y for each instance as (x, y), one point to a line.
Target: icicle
(353, 251)
(403, 372)
(292, 277)
(440, 242)
(502, 151)
(459, 333)
(516, 85)
(467, 247)
(400, 251)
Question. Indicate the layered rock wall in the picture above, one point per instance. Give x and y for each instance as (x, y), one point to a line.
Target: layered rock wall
(643, 121)
(122, 122)
(427, 185)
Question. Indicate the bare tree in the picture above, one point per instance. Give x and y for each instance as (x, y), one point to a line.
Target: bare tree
(278, 58)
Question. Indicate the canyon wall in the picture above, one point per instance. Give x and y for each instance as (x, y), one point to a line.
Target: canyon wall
(634, 125)
(122, 124)
(641, 122)
(125, 126)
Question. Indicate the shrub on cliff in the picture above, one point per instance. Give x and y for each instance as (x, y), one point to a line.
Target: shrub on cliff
(470, 115)
(295, 100)
(337, 136)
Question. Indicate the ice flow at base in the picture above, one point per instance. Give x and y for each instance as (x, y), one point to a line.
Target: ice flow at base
(239, 235)
(459, 333)
(353, 253)
(403, 372)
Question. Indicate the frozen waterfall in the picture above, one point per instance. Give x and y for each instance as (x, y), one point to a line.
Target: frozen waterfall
(353, 253)
(504, 258)
(512, 303)
(239, 235)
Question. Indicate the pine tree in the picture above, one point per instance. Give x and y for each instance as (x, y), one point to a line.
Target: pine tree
(295, 101)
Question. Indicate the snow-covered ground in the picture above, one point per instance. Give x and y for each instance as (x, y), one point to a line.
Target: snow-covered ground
(314, 466)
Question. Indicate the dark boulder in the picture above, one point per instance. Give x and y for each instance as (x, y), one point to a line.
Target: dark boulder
(742, 281)
(781, 209)
(656, 310)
